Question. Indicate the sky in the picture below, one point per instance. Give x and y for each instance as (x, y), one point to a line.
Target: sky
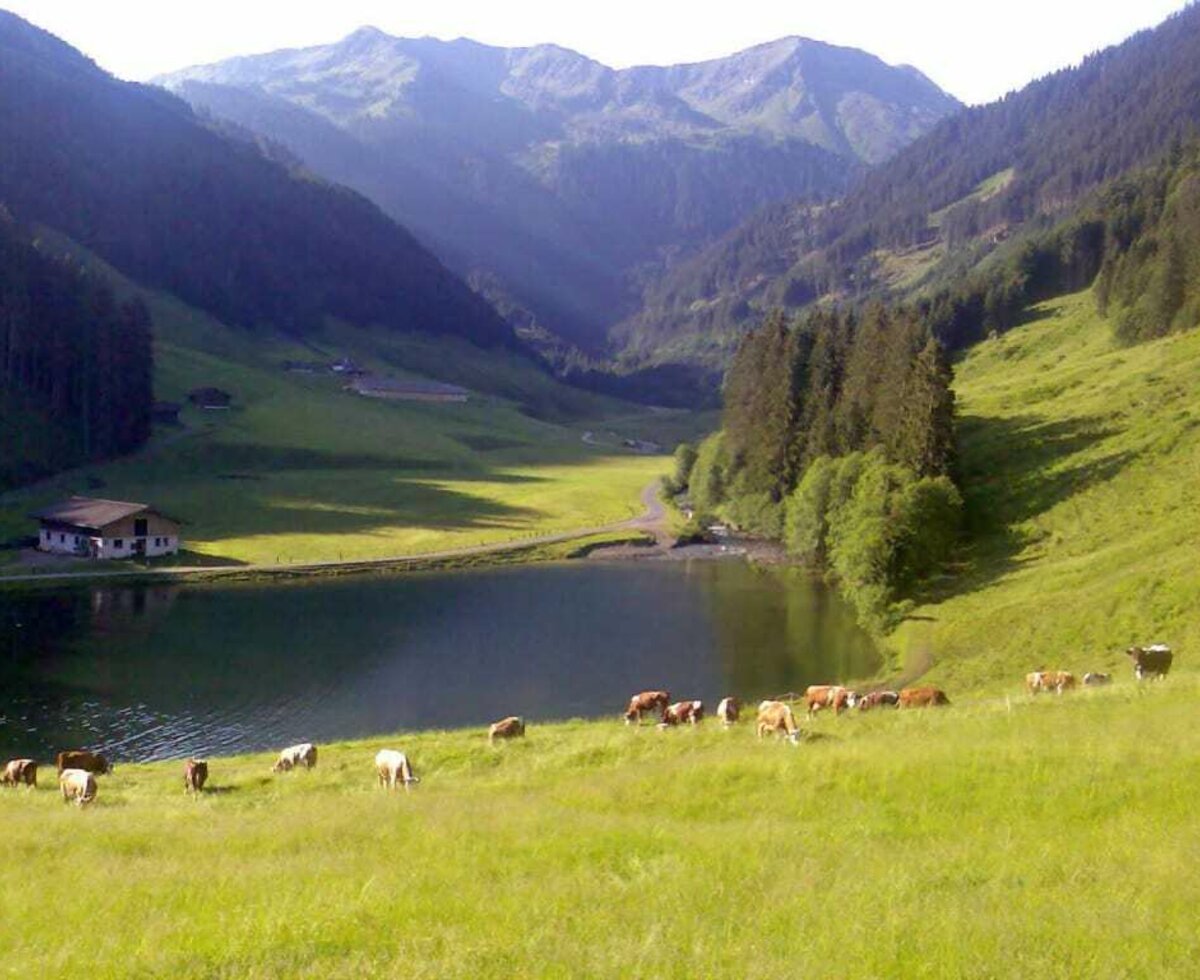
(976, 51)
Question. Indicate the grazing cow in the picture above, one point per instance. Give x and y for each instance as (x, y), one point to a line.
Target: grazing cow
(775, 716)
(681, 712)
(87, 761)
(639, 704)
(729, 710)
(195, 775)
(922, 697)
(820, 696)
(1049, 680)
(1095, 679)
(877, 699)
(1152, 661)
(511, 727)
(303, 754)
(19, 771)
(78, 785)
(393, 767)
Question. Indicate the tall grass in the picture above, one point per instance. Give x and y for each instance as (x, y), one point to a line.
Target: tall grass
(993, 838)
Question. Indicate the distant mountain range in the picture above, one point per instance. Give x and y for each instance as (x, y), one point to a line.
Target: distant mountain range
(966, 194)
(205, 212)
(558, 186)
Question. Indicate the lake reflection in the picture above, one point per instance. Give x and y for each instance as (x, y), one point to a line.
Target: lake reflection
(150, 672)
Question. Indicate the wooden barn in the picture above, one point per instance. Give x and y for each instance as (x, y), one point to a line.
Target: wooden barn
(370, 386)
(89, 527)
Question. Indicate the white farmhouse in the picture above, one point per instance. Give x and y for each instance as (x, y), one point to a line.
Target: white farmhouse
(88, 527)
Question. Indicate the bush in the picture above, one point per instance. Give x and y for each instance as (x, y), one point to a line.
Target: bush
(708, 475)
(875, 525)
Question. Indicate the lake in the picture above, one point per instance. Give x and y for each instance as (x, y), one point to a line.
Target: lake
(160, 671)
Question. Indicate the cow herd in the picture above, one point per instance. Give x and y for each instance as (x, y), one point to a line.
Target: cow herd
(775, 716)
(78, 769)
(1153, 662)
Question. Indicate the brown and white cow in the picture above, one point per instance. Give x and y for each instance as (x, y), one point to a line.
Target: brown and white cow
(775, 716)
(922, 697)
(818, 696)
(77, 785)
(1096, 679)
(877, 699)
(1049, 680)
(92, 762)
(682, 712)
(645, 702)
(1152, 661)
(392, 767)
(510, 727)
(195, 775)
(729, 710)
(18, 772)
(302, 754)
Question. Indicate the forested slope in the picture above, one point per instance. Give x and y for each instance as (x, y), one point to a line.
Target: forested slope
(974, 185)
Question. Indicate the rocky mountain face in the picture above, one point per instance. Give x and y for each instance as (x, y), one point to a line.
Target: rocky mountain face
(558, 186)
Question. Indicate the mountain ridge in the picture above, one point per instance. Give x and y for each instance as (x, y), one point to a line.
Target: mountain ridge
(564, 183)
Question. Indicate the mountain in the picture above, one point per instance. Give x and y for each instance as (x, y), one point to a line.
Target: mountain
(560, 186)
(238, 230)
(958, 198)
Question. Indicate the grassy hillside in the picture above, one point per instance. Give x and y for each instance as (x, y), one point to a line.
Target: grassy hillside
(1031, 838)
(1080, 468)
(300, 470)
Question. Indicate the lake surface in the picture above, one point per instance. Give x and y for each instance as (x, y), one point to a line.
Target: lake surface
(160, 671)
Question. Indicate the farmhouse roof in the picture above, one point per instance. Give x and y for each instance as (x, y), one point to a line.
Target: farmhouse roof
(91, 512)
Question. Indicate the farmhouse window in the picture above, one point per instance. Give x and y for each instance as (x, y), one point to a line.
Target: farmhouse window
(118, 542)
(62, 539)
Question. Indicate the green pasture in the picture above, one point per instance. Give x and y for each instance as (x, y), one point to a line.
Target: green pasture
(1080, 470)
(998, 837)
(300, 470)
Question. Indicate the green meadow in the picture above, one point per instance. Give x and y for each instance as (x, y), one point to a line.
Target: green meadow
(1080, 471)
(300, 470)
(998, 837)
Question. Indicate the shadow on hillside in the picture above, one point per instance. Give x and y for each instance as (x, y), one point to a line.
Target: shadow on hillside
(1011, 470)
(335, 510)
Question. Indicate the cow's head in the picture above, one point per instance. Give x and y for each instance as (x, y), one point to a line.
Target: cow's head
(283, 765)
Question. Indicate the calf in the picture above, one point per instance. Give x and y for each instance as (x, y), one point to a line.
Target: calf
(820, 696)
(1049, 680)
(511, 727)
(303, 754)
(392, 767)
(81, 759)
(681, 712)
(922, 697)
(1152, 661)
(775, 716)
(77, 785)
(877, 699)
(639, 704)
(729, 710)
(1093, 679)
(19, 771)
(195, 775)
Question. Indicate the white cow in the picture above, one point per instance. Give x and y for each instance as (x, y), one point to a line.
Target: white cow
(78, 785)
(303, 754)
(393, 767)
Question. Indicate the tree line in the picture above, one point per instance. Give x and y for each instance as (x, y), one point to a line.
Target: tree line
(76, 366)
(871, 386)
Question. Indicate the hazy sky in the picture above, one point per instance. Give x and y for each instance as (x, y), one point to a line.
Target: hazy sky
(977, 51)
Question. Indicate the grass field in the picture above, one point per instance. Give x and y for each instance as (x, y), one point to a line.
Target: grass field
(1023, 838)
(299, 470)
(1081, 475)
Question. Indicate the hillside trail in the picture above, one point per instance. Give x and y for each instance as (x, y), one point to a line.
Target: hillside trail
(652, 521)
